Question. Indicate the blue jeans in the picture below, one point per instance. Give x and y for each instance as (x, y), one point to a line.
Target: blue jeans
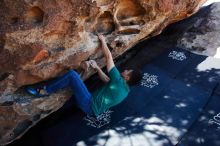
(72, 79)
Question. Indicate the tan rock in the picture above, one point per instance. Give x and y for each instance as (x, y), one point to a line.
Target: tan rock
(66, 31)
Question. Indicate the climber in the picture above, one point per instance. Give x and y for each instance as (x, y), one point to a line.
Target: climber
(112, 93)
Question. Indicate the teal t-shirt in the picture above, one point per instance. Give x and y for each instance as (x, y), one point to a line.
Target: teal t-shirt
(111, 94)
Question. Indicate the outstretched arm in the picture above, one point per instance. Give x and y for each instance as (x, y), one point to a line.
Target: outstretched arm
(101, 74)
(108, 56)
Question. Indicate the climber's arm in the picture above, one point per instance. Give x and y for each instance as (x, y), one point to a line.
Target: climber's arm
(101, 74)
(109, 60)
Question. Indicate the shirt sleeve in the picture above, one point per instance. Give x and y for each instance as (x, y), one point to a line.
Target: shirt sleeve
(114, 74)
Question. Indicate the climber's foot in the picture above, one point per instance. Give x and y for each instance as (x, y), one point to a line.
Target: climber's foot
(37, 91)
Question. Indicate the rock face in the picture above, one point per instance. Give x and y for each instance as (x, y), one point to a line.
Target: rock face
(40, 39)
(202, 31)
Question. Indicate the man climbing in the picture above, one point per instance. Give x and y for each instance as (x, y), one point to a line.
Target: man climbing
(112, 93)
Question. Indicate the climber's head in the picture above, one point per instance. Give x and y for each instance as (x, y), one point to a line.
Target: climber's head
(131, 76)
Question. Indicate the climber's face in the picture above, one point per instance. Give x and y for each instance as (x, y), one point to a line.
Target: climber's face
(126, 74)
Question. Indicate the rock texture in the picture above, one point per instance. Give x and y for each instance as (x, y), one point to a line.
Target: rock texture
(40, 39)
(202, 31)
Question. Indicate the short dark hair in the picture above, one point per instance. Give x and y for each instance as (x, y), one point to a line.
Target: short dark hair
(135, 77)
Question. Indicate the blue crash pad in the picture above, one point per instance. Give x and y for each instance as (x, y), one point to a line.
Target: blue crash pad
(206, 130)
(200, 73)
(73, 128)
(173, 61)
(217, 90)
(140, 95)
(166, 118)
